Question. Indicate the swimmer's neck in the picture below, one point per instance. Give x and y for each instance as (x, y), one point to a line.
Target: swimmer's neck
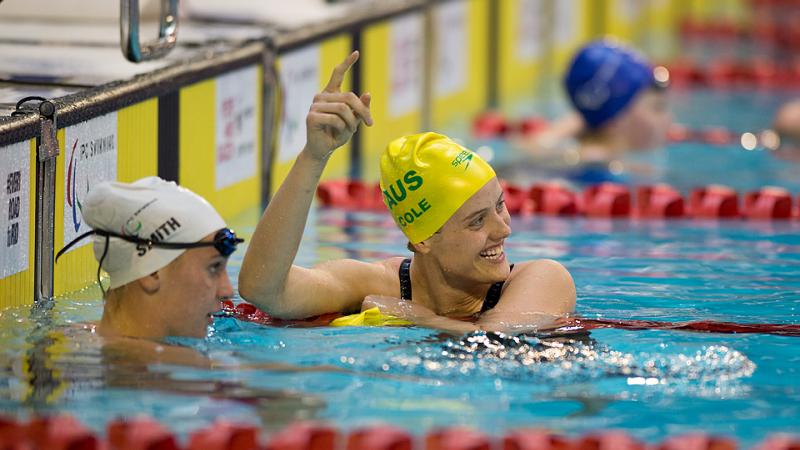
(445, 294)
(601, 146)
(128, 313)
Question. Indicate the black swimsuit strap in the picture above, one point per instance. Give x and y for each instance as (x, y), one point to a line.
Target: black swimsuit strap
(405, 279)
(492, 297)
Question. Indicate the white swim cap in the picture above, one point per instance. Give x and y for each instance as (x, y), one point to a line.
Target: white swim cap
(150, 208)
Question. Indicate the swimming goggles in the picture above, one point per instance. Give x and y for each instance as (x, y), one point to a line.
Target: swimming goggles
(225, 241)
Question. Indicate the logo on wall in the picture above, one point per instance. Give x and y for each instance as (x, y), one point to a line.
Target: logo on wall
(92, 159)
(72, 196)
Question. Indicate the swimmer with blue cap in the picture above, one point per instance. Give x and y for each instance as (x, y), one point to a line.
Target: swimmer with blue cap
(621, 106)
(448, 203)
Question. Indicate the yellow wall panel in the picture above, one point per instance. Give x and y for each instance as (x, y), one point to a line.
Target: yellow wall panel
(586, 24)
(137, 128)
(331, 52)
(376, 79)
(198, 163)
(517, 76)
(464, 104)
(17, 289)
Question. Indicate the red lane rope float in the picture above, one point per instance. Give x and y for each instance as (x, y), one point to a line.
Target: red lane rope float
(493, 124)
(781, 33)
(304, 436)
(697, 441)
(61, 432)
(249, 313)
(225, 436)
(608, 200)
(380, 437)
(729, 73)
(533, 439)
(703, 326)
(64, 432)
(140, 433)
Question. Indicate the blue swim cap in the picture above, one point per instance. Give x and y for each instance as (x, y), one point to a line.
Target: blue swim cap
(603, 78)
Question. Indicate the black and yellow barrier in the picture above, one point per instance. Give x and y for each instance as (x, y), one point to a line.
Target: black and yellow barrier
(197, 122)
(18, 174)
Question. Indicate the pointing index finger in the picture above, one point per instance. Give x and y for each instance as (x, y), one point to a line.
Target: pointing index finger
(337, 77)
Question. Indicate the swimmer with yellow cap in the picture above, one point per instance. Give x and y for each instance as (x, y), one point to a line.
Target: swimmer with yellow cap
(448, 203)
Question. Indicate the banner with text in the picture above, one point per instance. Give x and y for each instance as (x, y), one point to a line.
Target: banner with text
(236, 126)
(300, 77)
(15, 197)
(90, 158)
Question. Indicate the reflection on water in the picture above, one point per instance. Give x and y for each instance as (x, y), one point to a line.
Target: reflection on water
(568, 360)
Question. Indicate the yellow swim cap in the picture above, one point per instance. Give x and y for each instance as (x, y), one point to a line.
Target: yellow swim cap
(425, 178)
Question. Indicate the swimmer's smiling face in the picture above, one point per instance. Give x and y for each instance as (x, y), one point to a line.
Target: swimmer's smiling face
(471, 244)
(193, 286)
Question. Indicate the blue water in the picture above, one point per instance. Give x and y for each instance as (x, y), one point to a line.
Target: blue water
(650, 383)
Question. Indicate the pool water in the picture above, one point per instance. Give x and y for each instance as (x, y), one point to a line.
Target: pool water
(650, 383)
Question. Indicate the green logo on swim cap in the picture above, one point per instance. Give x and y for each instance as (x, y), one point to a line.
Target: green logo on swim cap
(465, 155)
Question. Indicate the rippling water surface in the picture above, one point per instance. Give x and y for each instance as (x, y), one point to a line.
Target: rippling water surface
(650, 382)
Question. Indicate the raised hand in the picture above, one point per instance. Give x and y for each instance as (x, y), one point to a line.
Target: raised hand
(335, 115)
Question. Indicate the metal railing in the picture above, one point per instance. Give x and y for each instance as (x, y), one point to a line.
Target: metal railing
(132, 48)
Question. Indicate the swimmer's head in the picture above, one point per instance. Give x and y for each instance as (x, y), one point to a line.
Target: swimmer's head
(148, 209)
(605, 77)
(425, 178)
(786, 125)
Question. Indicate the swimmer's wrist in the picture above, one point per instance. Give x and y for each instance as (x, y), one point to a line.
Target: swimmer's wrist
(314, 156)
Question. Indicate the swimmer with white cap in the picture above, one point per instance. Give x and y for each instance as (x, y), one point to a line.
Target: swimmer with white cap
(165, 249)
(448, 203)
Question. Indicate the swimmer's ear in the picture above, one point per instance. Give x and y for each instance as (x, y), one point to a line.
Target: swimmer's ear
(422, 247)
(150, 284)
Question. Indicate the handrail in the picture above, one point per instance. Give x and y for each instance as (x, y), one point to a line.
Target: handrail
(129, 31)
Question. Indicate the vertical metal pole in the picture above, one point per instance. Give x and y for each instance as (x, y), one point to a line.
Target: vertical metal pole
(270, 97)
(357, 141)
(493, 58)
(47, 151)
(429, 47)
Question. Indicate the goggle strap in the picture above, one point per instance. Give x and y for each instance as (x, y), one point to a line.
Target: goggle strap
(73, 242)
(100, 265)
(135, 240)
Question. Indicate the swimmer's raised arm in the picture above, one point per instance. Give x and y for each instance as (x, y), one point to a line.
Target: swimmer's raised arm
(268, 278)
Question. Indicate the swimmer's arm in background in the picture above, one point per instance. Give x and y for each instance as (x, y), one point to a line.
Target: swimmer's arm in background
(548, 144)
(536, 296)
(264, 278)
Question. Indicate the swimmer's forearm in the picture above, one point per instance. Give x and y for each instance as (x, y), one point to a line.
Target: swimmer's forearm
(517, 323)
(274, 244)
(446, 324)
